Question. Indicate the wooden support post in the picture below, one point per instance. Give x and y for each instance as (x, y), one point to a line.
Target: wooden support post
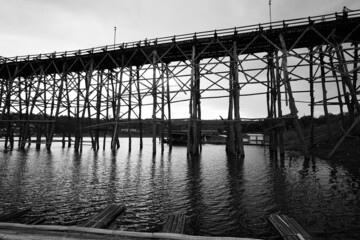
(115, 140)
(99, 86)
(154, 94)
(312, 97)
(77, 119)
(162, 108)
(67, 87)
(239, 145)
(271, 104)
(38, 136)
(169, 106)
(280, 122)
(140, 106)
(193, 131)
(129, 107)
(230, 143)
(293, 108)
(323, 84)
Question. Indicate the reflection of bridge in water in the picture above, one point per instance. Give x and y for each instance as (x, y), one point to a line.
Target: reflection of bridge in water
(109, 88)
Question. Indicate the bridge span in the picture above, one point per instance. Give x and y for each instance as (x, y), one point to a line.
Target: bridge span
(102, 90)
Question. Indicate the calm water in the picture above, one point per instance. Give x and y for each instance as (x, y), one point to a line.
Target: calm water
(220, 195)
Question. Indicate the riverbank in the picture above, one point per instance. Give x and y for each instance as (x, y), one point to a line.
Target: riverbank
(348, 153)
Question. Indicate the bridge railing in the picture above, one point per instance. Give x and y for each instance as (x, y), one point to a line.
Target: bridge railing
(186, 37)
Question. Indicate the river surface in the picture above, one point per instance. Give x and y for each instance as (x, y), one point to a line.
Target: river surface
(220, 195)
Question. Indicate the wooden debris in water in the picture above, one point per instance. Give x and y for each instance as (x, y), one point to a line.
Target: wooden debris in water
(105, 217)
(174, 223)
(14, 214)
(288, 227)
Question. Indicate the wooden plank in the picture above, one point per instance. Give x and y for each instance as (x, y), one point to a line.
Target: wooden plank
(288, 227)
(175, 223)
(105, 217)
(14, 214)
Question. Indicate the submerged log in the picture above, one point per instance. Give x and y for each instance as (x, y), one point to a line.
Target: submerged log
(14, 214)
(105, 217)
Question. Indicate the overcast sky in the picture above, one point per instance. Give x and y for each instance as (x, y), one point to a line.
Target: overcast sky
(43, 26)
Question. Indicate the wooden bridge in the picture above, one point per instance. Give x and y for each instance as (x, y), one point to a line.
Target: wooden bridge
(108, 88)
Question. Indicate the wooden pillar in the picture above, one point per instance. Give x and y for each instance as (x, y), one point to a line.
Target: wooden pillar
(280, 121)
(169, 106)
(323, 84)
(38, 136)
(115, 140)
(129, 107)
(271, 104)
(230, 143)
(107, 108)
(67, 87)
(293, 108)
(239, 146)
(99, 86)
(77, 116)
(312, 97)
(140, 106)
(154, 94)
(163, 69)
(193, 131)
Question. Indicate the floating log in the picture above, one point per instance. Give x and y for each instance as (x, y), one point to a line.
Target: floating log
(288, 227)
(12, 231)
(174, 223)
(105, 217)
(14, 214)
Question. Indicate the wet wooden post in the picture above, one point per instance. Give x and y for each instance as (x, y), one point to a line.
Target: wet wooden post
(38, 136)
(107, 108)
(21, 140)
(230, 143)
(129, 106)
(323, 84)
(280, 122)
(193, 134)
(77, 115)
(99, 87)
(355, 73)
(293, 108)
(140, 106)
(162, 107)
(271, 97)
(237, 127)
(312, 97)
(115, 140)
(154, 94)
(168, 105)
(9, 132)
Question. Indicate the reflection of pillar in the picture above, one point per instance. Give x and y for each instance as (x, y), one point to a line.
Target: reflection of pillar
(195, 194)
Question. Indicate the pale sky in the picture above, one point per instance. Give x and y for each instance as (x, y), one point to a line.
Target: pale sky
(43, 26)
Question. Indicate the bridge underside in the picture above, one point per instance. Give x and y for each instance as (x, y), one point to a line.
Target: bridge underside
(131, 85)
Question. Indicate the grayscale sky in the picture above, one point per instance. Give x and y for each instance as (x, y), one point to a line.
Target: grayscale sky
(41, 26)
(44, 26)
